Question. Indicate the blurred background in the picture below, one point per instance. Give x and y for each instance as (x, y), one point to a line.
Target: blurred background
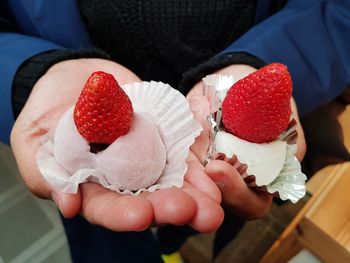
(30, 228)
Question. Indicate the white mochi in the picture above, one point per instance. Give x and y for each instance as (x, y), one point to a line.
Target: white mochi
(71, 150)
(265, 161)
(135, 160)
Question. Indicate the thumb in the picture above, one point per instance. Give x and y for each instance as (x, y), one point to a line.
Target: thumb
(228, 179)
(236, 195)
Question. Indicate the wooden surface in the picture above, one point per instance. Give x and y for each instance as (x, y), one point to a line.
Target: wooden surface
(324, 246)
(323, 224)
(331, 212)
(317, 180)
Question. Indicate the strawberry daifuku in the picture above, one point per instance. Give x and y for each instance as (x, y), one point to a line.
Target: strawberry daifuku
(256, 125)
(129, 139)
(131, 155)
(103, 111)
(257, 107)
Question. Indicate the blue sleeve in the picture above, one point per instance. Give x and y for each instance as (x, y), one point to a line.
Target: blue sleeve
(312, 38)
(14, 50)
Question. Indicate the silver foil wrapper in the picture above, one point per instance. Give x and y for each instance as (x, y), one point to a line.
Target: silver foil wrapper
(290, 182)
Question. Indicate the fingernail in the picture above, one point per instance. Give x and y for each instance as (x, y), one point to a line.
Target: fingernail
(54, 197)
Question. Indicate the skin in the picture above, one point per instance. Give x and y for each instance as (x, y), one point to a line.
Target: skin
(197, 203)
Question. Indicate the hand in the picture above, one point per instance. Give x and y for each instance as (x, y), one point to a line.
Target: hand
(242, 200)
(52, 95)
(238, 197)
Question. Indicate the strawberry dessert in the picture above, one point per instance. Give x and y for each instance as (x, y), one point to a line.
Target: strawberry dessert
(114, 136)
(257, 126)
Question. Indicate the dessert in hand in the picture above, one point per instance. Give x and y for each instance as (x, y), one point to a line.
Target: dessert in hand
(256, 119)
(129, 151)
(126, 139)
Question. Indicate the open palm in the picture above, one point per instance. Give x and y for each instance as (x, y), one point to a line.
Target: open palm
(197, 203)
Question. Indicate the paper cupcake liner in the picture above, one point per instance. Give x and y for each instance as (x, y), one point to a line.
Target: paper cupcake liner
(290, 182)
(177, 128)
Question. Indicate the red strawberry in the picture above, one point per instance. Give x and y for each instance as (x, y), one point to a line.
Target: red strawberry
(103, 111)
(257, 108)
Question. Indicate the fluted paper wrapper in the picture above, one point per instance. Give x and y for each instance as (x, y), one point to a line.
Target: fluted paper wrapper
(65, 159)
(287, 181)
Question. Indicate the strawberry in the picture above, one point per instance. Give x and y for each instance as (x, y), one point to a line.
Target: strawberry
(103, 111)
(257, 107)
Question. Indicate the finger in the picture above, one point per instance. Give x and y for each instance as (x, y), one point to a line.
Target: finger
(68, 204)
(115, 211)
(172, 206)
(209, 215)
(221, 172)
(236, 194)
(197, 177)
